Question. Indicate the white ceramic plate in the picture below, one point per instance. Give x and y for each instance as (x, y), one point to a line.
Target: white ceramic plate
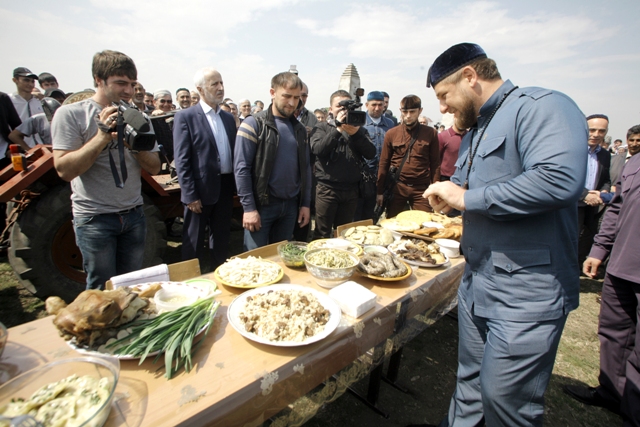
(238, 304)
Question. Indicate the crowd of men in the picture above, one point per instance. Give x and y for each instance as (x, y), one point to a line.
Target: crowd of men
(535, 204)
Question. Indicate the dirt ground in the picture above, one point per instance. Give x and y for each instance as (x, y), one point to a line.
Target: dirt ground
(428, 367)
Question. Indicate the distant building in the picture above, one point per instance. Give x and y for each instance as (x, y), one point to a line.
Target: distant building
(350, 80)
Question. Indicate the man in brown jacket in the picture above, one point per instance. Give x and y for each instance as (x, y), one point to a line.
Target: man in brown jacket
(422, 166)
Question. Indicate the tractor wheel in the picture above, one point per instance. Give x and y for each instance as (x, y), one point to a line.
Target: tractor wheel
(43, 251)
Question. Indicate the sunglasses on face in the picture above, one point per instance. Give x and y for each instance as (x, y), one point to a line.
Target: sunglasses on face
(164, 101)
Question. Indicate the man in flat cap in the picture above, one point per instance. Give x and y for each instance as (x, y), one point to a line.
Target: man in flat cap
(518, 177)
(413, 150)
(23, 100)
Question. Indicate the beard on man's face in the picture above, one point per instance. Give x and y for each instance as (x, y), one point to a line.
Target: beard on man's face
(466, 116)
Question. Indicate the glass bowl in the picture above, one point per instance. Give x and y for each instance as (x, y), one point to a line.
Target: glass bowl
(292, 253)
(26, 384)
(329, 277)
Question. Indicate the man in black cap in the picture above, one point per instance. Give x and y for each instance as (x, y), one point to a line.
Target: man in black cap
(56, 94)
(23, 100)
(518, 177)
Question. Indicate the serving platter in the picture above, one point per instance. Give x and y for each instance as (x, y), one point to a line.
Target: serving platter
(204, 288)
(239, 303)
(216, 275)
(421, 263)
(86, 351)
(389, 279)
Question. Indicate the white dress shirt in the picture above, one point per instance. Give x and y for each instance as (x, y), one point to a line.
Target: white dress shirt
(220, 134)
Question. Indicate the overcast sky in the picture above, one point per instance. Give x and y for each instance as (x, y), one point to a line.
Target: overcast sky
(586, 49)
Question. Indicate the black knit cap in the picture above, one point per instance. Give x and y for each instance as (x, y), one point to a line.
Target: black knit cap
(452, 60)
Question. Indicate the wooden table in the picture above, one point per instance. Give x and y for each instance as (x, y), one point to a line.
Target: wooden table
(238, 382)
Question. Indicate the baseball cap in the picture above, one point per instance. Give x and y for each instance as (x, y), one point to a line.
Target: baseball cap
(53, 91)
(24, 72)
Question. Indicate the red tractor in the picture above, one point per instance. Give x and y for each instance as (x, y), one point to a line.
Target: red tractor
(42, 249)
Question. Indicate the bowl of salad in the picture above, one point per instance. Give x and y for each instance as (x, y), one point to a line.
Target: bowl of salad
(292, 253)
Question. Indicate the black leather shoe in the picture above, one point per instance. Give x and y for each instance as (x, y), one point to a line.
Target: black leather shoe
(590, 396)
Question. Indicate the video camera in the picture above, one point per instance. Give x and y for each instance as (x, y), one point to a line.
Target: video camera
(138, 133)
(354, 117)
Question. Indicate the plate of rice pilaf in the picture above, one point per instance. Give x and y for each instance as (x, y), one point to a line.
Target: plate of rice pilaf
(284, 315)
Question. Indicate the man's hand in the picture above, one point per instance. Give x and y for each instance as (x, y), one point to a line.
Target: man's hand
(157, 112)
(195, 207)
(341, 117)
(593, 198)
(109, 116)
(444, 196)
(350, 130)
(304, 216)
(251, 221)
(379, 199)
(590, 266)
(37, 94)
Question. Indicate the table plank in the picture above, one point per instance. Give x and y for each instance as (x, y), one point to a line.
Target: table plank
(237, 381)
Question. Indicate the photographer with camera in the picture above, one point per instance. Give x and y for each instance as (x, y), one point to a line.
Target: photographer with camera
(340, 149)
(413, 152)
(92, 149)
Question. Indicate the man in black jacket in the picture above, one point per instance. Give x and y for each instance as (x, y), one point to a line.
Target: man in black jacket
(598, 179)
(340, 151)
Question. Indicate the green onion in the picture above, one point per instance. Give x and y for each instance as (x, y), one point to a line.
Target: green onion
(172, 332)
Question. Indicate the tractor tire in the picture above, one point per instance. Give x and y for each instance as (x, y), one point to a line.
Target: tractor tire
(43, 252)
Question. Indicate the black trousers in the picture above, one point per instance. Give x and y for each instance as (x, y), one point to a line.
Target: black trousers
(218, 218)
(588, 217)
(334, 207)
(619, 347)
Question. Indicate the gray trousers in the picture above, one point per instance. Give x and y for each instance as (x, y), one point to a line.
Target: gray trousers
(504, 368)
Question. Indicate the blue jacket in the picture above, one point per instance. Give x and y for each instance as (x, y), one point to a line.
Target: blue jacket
(377, 133)
(196, 154)
(520, 236)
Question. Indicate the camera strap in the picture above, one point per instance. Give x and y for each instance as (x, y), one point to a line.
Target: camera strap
(123, 164)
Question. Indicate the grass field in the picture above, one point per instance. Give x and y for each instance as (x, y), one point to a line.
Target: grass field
(428, 367)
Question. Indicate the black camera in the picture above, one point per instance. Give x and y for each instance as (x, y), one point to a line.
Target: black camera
(138, 133)
(354, 117)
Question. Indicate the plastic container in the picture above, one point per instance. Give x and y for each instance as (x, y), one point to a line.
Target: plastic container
(328, 277)
(292, 260)
(353, 299)
(26, 384)
(170, 298)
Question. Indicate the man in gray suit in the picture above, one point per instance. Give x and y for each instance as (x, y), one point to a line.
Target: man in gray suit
(518, 177)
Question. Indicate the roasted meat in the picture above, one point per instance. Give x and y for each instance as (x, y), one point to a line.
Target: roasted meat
(89, 317)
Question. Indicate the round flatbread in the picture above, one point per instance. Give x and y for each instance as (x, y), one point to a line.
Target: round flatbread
(395, 224)
(415, 216)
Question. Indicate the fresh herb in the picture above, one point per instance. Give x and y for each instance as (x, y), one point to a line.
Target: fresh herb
(292, 250)
(172, 332)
